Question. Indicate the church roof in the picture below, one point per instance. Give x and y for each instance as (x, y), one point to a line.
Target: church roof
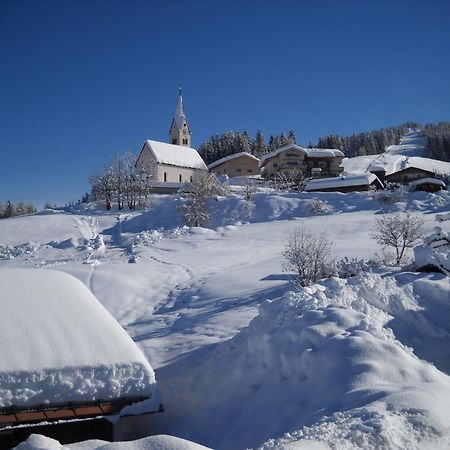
(176, 155)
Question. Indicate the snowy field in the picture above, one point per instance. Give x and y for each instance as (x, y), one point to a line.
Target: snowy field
(243, 358)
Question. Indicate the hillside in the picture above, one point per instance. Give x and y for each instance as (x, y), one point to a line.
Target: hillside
(408, 153)
(242, 357)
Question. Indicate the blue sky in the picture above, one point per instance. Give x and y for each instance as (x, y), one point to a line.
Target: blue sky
(83, 80)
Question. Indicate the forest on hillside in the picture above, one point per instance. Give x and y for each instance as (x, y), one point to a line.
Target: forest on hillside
(438, 140)
(358, 144)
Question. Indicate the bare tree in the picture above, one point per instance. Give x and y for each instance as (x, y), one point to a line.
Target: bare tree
(398, 230)
(194, 209)
(292, 179)
(310, 256)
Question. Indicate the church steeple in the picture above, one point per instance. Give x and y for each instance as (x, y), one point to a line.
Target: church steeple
(180, 133)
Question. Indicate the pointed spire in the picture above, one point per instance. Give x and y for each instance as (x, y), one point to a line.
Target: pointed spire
(179, 113)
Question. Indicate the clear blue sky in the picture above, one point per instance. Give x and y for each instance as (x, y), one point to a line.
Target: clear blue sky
(83, 80)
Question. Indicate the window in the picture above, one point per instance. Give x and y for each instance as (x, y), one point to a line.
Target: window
(185, 141)
(310, 163)
(190, 178)
(292, 155)
(292, 163)
(322, 164)
(238, 170)
(179, 177)
(165, 177)
(275, 165)
(249, 171)
(174, 141)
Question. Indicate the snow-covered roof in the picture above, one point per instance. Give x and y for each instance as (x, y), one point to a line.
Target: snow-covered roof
(311, 152)
(176, 155)
(337, 182)
(230, 157)
(427, 181)
(58, 344)
(376, 168)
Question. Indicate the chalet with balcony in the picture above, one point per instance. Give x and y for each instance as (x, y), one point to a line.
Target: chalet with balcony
(311, 162)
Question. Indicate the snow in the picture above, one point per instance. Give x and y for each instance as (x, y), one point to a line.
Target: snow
(434, 252)
(176, 155)
(162, 442)
(58, 344)
(408, 153)
(426, 181)
(231, 157)
(411, 144)
(343, 181)
(311, 152)
(322, 358)
(242, 358)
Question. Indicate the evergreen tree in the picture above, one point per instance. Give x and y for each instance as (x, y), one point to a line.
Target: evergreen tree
(292, 139)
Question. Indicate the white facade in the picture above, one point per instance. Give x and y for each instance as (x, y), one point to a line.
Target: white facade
(167, 163)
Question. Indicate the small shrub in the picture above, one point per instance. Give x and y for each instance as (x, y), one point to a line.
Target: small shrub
(316, 206)
(309, 256)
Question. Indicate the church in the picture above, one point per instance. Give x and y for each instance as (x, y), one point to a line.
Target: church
(170, 165)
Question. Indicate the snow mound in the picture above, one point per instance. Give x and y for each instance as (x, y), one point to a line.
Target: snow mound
(58, 344)
(161, 442)
(320, 364)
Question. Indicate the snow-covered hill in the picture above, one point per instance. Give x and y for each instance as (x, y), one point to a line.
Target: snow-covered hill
(409, 152)
(242, 359)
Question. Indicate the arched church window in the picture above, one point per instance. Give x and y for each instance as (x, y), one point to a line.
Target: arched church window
(179, 177)
(165, 176)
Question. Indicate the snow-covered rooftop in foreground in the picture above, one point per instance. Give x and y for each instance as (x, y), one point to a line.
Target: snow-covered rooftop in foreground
(311, 152)
(176, 155)
(344, 181)
(58, 344)
(230, 157)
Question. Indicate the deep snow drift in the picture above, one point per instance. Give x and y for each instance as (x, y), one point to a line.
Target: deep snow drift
(323, 364)
(240, 360)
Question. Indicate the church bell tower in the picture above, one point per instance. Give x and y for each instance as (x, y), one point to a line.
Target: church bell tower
(179, 133)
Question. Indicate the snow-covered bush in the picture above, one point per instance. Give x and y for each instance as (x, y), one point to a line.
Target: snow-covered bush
(398, 230)
(316, 206)
(391, 194)
(346, 267)
(12, 251)
(434, 252)
(309, 256)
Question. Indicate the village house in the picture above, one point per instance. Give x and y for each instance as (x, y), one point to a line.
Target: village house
(169, 166)
(238, 164)
(311, 162)
(408, 174)
(427, 185)
(348, 183)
